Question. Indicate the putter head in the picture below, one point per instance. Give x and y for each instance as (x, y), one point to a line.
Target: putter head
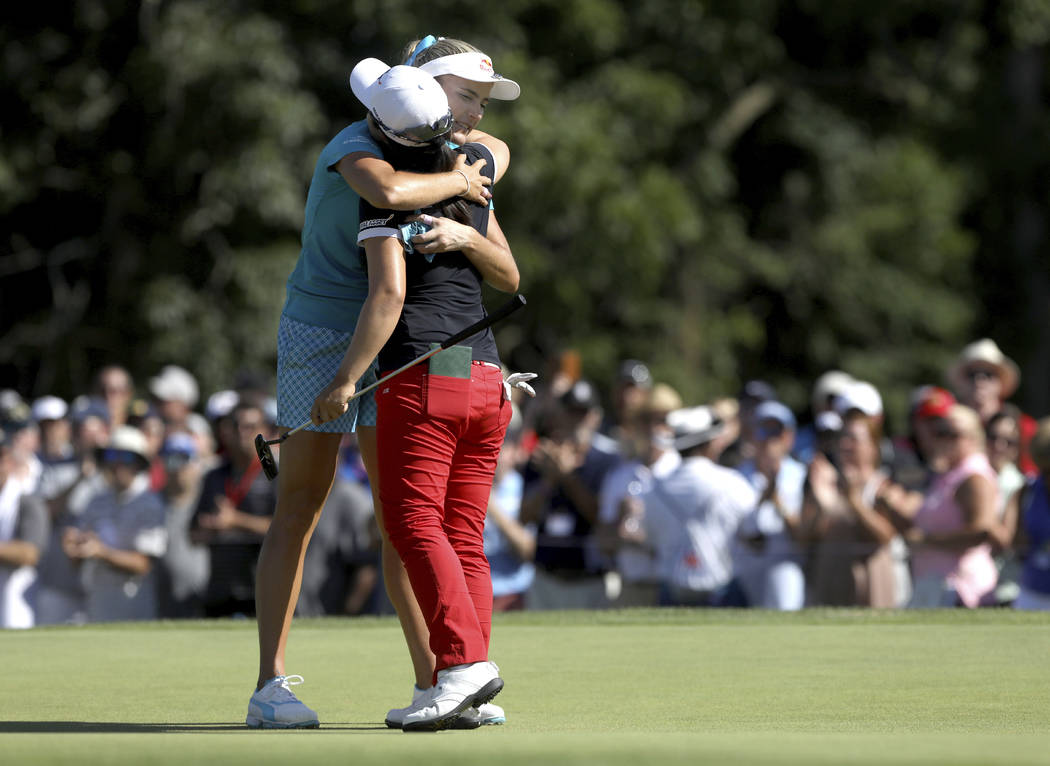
(269, 463)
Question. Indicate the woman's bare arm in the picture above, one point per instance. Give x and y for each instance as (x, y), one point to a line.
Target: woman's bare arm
(375, 181)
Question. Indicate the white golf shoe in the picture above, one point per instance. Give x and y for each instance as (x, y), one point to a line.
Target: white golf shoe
(458, 688)
(274, 706)
(486, 714)
(396, 717)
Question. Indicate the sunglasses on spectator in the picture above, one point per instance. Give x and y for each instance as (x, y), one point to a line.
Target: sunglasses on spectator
(977, 374)
(946, 433)
(175, 461)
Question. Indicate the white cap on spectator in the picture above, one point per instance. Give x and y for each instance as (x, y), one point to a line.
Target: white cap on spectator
(49, 408)
(862, 396)
(828, 421)
(220, 404)
(832, 383)
(693, 426)
(175, 384)
(129, 439)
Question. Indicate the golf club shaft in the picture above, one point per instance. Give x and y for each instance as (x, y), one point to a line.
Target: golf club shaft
(503, 311)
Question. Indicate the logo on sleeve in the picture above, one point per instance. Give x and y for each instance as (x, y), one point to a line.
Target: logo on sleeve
(373, 223)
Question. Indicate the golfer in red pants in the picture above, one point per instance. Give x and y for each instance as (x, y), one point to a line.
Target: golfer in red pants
(440, 425)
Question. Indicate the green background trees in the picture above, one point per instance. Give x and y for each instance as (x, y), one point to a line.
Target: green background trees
(727, 190)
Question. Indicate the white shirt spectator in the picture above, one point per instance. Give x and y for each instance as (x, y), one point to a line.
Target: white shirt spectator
(691, 518)
(772, 576)
(633, 478)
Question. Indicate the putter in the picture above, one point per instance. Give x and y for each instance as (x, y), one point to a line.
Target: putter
(263, 447)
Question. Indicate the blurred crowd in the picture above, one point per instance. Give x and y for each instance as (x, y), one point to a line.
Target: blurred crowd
(145, 502)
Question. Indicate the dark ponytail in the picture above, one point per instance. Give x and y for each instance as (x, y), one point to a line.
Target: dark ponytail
(436, 157)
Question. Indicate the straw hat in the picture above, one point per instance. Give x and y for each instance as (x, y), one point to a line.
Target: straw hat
(986, 351)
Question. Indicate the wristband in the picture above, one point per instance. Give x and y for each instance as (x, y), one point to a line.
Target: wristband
(465, 179)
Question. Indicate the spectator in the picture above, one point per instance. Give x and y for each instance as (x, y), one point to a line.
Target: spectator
(951, 558)
(60, 594)
(59, 467)
(983, 378)
(649, 453)
(113, 385)
(23, 535)
(852, 564)
(23, 438)
(176, 393)
(186, 565)
(120, 535)
(341, 570)
(235, 508)
(752, 394)
(510, 546)
(562, 480)
(1027, 526)
(916, 461)
(769, 566)
(693, 515)
(822, 399)
(629, 392)
(1003, 433)
(1003, 439)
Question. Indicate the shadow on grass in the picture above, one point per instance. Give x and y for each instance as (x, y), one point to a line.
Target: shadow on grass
(107, 727)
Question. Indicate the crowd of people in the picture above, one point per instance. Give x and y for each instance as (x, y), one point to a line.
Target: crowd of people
(149, 502)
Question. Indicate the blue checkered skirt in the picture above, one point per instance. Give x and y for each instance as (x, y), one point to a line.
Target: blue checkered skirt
(308, 357)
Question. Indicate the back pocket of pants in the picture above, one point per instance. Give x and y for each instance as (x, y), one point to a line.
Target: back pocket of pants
(447, 398)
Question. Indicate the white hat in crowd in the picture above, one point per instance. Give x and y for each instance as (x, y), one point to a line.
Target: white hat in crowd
(859, 395)
(49, 408)
(477, 67)
(407, 103)
(831, 384)
(220, 404)
(986, 351)
(693, 426)
(175, 384)
(129, 439)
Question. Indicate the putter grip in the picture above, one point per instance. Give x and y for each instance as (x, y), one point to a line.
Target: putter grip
(503, 311)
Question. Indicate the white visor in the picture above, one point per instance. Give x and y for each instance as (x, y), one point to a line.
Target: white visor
(476, 67)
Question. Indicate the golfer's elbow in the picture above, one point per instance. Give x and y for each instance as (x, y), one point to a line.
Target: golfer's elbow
(506, 280)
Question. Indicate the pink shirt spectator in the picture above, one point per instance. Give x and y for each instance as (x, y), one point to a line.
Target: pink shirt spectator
(972, 572)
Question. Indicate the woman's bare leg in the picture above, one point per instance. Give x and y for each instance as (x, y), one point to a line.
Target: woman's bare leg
(307, 470)
(398, 587)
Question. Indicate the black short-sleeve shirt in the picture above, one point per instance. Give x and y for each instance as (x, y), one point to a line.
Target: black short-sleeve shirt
(443, 293)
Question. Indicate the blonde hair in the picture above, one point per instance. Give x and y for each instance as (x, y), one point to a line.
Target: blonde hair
(445, 46)
(968, 422)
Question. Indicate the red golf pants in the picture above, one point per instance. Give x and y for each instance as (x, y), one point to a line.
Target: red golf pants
(438, 439)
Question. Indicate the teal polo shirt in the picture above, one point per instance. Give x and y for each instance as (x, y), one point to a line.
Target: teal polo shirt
(329, 283)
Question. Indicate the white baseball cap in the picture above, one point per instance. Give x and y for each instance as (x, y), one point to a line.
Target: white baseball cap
(476, 67)
(49, 408)
(693, 426)
(407, 103)
(175, 384)
(829, 385)
(859, 395)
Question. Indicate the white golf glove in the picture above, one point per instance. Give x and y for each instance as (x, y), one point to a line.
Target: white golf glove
(519, 380)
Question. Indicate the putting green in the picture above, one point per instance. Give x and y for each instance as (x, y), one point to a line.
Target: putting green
(636, 686)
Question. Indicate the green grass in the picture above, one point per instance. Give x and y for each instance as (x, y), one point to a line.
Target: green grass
(638, 686)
